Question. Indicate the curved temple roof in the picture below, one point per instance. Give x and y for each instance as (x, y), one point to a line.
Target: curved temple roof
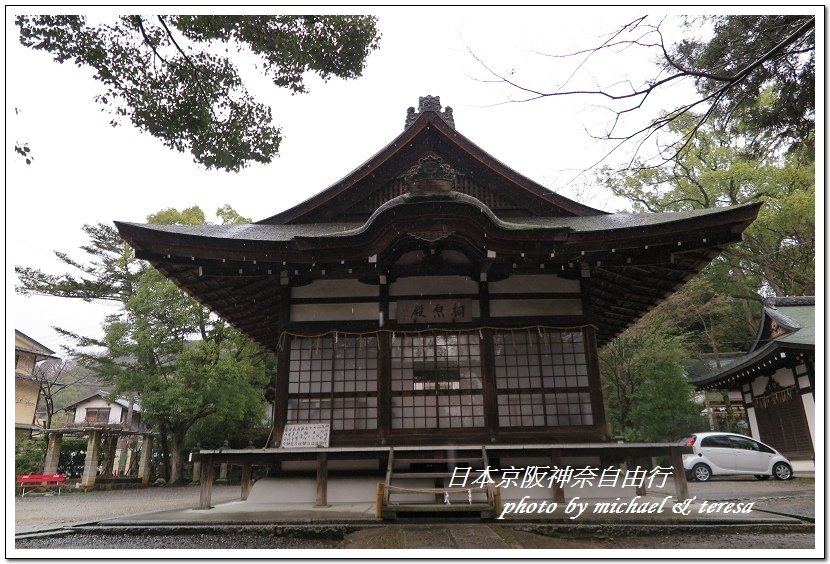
(796, 314)
(502, 222)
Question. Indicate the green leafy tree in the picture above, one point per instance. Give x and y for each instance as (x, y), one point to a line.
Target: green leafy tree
(719, 309)
(777, 253)
(153, 350)
(171, 76)
(648, 398)
(183, 362)
(664, 408)
(29, 455)
(714, 321)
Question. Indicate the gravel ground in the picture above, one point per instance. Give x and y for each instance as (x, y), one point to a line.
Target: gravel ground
(395, 537)
(38, 512)
(178, 542)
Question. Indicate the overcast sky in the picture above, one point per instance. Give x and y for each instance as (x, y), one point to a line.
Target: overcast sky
(86, 171)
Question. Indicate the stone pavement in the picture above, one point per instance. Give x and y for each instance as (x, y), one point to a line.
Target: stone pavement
(725, 503)
(778, 508)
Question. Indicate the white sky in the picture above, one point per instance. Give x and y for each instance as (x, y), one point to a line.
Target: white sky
(86, 171)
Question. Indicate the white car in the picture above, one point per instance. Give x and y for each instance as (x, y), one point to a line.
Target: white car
(722, 454)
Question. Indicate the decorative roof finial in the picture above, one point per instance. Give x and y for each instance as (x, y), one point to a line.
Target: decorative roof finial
(429, 104)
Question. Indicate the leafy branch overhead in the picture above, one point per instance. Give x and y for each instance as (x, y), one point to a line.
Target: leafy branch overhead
(759, 69)
(171, 76)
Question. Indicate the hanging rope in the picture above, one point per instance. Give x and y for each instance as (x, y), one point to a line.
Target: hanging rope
(335, 334)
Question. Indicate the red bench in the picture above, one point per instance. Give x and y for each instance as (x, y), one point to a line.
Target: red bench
(40, 481)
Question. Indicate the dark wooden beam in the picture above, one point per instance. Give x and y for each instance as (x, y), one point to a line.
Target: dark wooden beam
(206, 482)
(322, 480)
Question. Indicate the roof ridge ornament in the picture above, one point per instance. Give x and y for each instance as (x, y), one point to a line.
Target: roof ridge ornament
(429, 175)
(429, 103)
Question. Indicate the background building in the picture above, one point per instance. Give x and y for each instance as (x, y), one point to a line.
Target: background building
(27, 354)
(776, 379)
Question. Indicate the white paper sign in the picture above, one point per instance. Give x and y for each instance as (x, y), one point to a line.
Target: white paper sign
(305, 435)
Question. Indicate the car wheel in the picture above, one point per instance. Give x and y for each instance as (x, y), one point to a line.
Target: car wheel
(782, 471)
(702, 473)
(762, 476)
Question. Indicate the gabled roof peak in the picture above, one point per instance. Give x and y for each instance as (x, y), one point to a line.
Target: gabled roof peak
(429, 103)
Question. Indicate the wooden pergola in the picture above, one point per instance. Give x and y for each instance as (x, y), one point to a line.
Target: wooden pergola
(94, 435)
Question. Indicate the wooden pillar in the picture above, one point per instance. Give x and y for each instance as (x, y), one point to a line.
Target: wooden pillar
(680, 484)
(281, 401)
(595, 380)
(488, 373)
(632, 465)
(93, 443)
(556, 462)
(197, 468)
(483, 300)
(144, 461)
(283, 365)
(223, 473)
(322, 480)
(53, 453)
(384, 384)
(383, 302)
(246, 481)
(206, 481)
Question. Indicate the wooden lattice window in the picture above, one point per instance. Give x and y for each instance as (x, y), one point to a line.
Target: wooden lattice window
(97, 414)
(542, 379)
(333, 380)
(436, 381)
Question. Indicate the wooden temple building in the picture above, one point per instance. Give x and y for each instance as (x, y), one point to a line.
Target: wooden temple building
(434, 298)
(776, 379)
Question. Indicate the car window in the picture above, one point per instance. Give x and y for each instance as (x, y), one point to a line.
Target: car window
(717, 441)
(744, 443)
(765, 448)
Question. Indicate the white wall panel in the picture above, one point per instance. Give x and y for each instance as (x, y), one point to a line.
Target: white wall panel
(334, 288)
(534, 308)
(433, 285)
(810, 412)
(334, 312)
(530, 284)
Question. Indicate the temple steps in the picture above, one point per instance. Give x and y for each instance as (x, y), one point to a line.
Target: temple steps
(399, 495)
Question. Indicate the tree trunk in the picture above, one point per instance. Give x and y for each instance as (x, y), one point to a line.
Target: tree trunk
(129, 419)
(176, 457)
(48, 422)
(165, 453)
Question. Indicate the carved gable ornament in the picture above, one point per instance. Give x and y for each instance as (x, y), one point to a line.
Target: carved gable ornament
(430, 236)
(429, 176)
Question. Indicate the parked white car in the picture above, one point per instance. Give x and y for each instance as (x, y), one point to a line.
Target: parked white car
(722, 454)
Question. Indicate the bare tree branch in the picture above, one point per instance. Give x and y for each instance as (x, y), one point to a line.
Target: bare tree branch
(722, 99)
